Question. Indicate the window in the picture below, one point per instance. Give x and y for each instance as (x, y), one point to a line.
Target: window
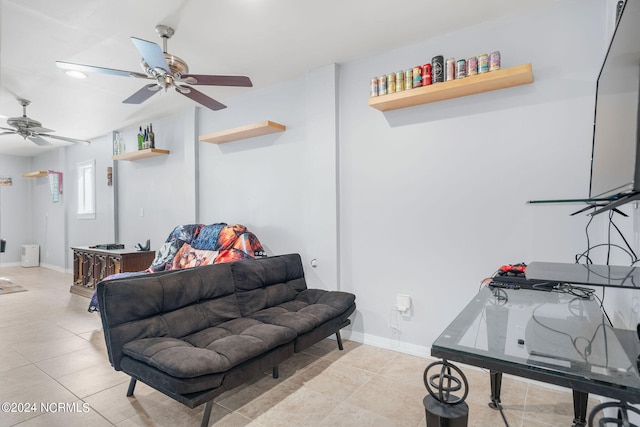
(87, 190)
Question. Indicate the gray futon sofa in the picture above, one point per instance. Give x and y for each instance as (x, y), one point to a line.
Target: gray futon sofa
(193, 334)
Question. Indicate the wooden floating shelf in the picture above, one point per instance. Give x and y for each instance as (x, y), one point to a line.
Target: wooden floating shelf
(36, 174)
(485, 82)
(243, 132)
(141, 154)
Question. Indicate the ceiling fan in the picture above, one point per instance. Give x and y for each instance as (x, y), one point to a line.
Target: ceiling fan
(32, 129)
(167, 70)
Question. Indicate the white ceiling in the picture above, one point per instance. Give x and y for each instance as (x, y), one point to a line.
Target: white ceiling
(268, 40)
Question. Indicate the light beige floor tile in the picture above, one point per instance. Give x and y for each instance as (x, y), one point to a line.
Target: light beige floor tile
(37, 351)
(71, 362)
(244, 394)
(333, 379)
(406, 368)
(114, 405)
(34, 331)
(9, 360)
(71, 414)
(295, 364)
(551, 407)
(391, 399)
(364, 357)
(30, 388)
(91, 380)
(347, 415)
(290, 404)
(324, 347)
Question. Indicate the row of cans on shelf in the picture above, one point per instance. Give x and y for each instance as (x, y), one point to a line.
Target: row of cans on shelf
(437, 71)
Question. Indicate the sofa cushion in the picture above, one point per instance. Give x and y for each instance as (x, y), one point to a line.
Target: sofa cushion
(212, 350)
(311, 308)
(267, 282)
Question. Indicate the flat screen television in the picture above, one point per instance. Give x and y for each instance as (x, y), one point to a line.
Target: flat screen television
(615, 159)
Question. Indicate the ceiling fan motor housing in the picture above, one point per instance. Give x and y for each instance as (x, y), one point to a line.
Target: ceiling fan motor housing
(177, 66)
(23, 123)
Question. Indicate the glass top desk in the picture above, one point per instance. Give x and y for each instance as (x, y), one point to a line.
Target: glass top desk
(557, 338)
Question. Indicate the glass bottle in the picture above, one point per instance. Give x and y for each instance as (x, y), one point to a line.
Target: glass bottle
(152, 137)
(140, 139)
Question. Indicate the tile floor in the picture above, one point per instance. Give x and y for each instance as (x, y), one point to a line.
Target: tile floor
(52, 353)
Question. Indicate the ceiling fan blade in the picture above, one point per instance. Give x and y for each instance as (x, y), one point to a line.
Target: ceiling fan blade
(39, 140)
(203, 79)
(38, 129)
(152, 54)
(12, 130)
(7, 133)
(201, 98)
(93, 69)
(64, 138)
(143, 94)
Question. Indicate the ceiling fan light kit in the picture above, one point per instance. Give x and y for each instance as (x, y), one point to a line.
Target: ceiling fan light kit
(168, 71)
(76, 74)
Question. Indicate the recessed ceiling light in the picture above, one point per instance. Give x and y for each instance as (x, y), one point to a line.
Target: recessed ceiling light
(76, 74)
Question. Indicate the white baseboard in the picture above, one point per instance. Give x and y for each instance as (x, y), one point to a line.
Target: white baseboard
(387, 343)
(54, 268)
(10, 264)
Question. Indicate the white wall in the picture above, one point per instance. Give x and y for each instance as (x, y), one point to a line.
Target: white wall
(84, 232)
(157, 193)
(282, 186)
(433, 197)
(48, 218)
(15, 223)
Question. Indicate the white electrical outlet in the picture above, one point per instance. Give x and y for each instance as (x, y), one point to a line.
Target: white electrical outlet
(403, 302)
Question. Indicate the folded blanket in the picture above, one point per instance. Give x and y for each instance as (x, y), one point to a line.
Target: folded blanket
(193, 245)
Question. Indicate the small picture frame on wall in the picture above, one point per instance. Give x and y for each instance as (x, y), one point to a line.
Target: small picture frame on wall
(6, 180)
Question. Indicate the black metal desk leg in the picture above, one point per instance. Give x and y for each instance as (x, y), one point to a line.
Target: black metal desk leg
(496, 385)
(580, 408)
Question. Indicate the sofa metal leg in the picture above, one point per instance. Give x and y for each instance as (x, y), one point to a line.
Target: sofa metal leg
(206, 414)
(339, 338)
(276, 372)
(132, 385)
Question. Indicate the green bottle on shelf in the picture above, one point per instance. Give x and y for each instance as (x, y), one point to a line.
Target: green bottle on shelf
(140, 139)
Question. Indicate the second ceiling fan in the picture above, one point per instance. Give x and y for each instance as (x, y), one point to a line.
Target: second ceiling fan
(167, 70)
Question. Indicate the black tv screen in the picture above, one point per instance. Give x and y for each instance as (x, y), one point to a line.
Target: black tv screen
(615, 156)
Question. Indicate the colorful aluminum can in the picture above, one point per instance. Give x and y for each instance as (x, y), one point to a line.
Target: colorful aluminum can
(373, 87)
(494, 61)
(391, 83)
(483, 63)
(461, 68)
(451, 70)
(437, 69)
(399, 81)
(408, 79)
(382, 85)
(472, 66)
(417, 76)
(426, 75)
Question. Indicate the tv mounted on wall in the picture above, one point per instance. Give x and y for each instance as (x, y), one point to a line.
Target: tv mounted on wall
(615, 159)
